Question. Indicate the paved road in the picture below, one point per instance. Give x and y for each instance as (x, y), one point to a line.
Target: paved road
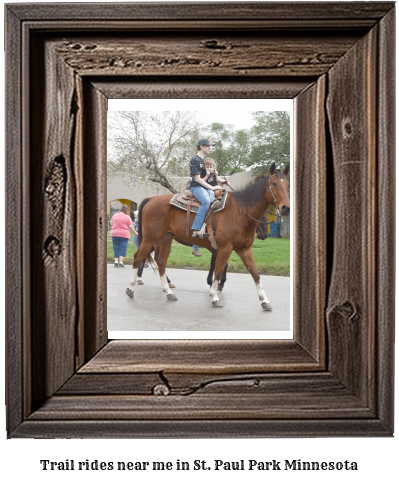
(151, 311)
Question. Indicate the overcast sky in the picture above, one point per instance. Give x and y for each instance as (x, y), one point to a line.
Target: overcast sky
(236, 112)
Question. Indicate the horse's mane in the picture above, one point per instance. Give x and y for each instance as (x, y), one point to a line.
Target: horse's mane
(250, 195)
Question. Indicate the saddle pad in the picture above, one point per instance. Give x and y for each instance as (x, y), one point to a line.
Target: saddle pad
(194, 209)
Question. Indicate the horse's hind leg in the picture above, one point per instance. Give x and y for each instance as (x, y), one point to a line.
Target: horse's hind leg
(141, 268)
(156, 253)
(248, 260)
(165, 245)
(139, 256)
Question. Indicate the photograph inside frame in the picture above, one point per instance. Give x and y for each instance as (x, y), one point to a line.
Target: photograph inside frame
(199, 219)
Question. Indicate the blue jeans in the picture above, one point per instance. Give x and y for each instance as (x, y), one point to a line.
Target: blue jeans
(211, 193)
(204, 198)
(120, 246)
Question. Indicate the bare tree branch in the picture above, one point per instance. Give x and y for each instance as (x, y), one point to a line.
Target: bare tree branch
(152, 145)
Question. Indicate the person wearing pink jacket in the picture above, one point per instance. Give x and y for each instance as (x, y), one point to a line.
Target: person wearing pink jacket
(122, 225)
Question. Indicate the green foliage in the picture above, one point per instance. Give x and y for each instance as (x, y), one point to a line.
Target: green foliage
(232, 149)
(270, 141)
(267, 142)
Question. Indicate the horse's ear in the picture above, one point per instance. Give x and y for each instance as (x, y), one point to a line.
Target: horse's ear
(286, 170)
(272, 169)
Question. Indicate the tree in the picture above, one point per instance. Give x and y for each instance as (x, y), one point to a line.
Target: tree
(232, 149)
(151, 145)
(271, 141)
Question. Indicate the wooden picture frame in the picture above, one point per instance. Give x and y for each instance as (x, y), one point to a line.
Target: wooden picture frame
(335, 378)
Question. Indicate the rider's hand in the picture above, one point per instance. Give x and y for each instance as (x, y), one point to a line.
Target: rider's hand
(217, 187)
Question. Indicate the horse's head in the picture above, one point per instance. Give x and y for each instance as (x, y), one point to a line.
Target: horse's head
(261, 229)
(277, 190)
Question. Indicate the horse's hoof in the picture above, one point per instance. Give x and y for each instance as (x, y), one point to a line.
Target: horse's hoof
(267, 306)
(171, 285)
(216, 304)
(129, 292)
(171, 297)
(139, 281)
(220, 287)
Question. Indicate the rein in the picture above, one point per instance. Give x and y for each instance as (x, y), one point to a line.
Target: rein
(274, 201)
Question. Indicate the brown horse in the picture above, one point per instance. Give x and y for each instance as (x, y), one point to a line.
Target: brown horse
(261, 233)
(234, 226)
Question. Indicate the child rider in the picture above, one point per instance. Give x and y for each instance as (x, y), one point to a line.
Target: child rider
(199, 187)
(210, 176)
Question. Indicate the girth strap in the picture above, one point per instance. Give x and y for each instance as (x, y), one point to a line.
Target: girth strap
(211, 225)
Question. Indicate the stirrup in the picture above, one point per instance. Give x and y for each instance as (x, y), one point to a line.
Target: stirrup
(203, 232)
(200, 234)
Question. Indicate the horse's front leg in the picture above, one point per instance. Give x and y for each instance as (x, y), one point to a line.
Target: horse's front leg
(220, 265)
(248, 260)
(223, 278)
(209, 279)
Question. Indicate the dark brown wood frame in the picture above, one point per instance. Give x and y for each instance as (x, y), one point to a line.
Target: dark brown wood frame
(64, 379)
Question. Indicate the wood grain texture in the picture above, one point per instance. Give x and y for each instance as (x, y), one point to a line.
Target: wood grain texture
(277, 11)
(319, 384)
(95, 219)
(244, 54)
(352, 125)
(310, 214)
(185, 384)
(203, 407)
(53, 199)
(276, 396)
(250, 428)
(200, 356)
(15, 258)
(194, 87)
(386, 217)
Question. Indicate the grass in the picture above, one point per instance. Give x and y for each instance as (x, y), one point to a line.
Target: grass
(272, 257)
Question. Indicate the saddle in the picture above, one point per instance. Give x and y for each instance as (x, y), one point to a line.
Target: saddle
(187, 201)
(188, 198)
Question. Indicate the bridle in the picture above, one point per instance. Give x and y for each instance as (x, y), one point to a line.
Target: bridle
(275, 202)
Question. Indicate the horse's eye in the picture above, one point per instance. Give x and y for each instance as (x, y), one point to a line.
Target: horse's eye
(274, 184)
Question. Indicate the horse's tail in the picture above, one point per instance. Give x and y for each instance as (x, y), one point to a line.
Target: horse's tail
(140, 232)
(140, 227)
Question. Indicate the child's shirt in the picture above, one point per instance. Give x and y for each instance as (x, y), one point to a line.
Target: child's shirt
(211, 179)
